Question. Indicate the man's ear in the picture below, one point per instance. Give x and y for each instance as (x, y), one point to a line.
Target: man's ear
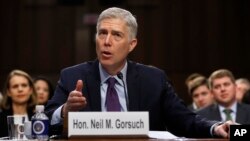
(133, 44)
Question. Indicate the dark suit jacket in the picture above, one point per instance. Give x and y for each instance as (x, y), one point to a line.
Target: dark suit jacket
(3, 120)
(212, 113)
(192, 108)
(148, 90)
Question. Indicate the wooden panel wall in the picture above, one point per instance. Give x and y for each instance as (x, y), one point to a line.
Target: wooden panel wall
(178, 36)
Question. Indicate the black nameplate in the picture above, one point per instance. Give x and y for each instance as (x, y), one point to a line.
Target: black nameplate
(239, 132)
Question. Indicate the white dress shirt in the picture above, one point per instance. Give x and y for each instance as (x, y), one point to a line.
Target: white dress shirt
(123, 97)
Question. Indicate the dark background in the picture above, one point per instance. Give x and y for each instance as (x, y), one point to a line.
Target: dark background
(179, 36)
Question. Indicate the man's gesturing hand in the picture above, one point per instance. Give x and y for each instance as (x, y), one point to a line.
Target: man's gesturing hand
(76, 100)
(222, 130)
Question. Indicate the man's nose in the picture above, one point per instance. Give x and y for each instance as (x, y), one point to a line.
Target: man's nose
(223, 88)
(200, 98)
(108, 39)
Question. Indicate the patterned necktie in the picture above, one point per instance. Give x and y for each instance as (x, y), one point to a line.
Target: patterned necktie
(228, 114)
(112, 100)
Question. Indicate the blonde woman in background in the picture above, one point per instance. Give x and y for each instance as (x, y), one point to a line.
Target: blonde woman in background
(19, 98)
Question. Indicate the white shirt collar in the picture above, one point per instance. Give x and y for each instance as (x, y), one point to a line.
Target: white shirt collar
(233, 107)
(104, 75)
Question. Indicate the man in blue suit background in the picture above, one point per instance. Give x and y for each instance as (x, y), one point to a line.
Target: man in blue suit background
(139, 87)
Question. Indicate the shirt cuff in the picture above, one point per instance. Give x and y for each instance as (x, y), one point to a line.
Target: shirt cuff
(212, 128)
(56, 117)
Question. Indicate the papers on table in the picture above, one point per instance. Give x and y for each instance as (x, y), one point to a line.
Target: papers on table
(161, 135)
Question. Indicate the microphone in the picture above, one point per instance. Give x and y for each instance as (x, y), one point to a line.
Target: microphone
(120, 76)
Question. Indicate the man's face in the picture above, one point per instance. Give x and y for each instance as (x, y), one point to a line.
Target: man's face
(224, 91)
(113, 44)
(241, 89)
(202, 96)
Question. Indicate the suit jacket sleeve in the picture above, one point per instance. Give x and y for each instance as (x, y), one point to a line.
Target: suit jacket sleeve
(150, 90)
(180, 120)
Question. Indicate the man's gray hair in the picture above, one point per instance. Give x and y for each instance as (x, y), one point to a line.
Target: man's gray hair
(118, 13)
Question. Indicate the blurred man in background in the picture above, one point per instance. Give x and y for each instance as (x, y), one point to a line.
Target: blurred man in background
(223, 87)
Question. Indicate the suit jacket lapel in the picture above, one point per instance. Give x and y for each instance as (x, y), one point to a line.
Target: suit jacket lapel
(240, 114)
(216, 113)
(133, 87)
(93, 87)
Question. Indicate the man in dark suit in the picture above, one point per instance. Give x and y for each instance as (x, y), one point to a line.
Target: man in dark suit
(200, 93)
(189, 80)
(139, 87)
(223, 87)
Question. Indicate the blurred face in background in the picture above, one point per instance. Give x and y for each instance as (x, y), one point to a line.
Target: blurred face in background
(42, 89)
(241, 89)
(224, 91)
(202, 96)
(19, 90)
